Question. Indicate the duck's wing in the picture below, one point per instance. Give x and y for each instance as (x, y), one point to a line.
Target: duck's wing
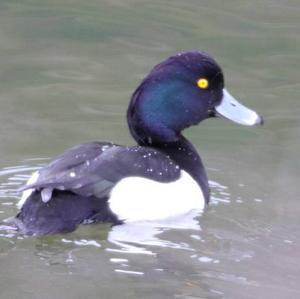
(94, 168)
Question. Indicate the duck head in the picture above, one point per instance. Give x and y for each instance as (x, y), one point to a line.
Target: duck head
(182, 91)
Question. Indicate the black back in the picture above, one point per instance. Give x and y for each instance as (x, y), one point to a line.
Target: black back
(92, 169)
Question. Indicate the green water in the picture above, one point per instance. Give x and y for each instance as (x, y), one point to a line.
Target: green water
(67, 70)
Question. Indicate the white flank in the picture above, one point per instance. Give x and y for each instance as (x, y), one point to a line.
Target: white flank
(136, 199)
(28, 192)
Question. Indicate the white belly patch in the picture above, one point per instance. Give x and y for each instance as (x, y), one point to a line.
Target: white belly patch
(136, 199)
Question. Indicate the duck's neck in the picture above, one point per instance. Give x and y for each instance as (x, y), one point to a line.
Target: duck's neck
(186, 156)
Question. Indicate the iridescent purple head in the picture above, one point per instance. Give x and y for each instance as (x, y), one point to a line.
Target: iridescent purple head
(179, 92)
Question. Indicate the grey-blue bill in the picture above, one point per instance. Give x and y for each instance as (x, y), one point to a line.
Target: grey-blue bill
(231, 109)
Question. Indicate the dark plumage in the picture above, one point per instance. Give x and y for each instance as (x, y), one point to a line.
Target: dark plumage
(76, 187)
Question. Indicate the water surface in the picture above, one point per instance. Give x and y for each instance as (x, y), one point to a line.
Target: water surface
(67, 71)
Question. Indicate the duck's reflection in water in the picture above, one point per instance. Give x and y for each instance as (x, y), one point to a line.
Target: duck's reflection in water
(138, 237)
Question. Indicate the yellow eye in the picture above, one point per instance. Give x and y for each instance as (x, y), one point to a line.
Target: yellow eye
(203, 83)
